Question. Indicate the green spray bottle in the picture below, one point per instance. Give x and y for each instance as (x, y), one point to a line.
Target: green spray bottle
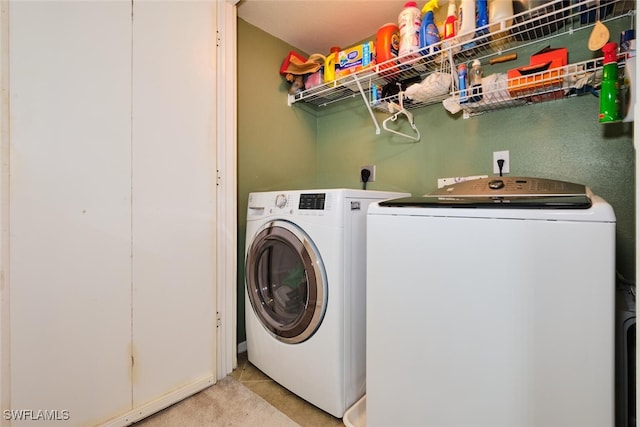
(609, 105)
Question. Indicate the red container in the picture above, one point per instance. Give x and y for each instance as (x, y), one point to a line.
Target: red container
(545, 71)
(557, 56)
(387, 45)
(285, 64)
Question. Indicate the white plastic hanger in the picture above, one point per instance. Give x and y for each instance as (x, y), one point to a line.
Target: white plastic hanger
(399, 109)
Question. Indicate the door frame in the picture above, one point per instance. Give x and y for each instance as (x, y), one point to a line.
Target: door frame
(227, 200)
(5, 350)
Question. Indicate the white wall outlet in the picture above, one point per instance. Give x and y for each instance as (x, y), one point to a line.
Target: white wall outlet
(504, 155)
(372, 171)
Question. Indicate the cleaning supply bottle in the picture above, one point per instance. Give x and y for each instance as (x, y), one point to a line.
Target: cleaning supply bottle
(409, 29)
(429, 34)
(462, 82)
(482, 17)
(467, 20)
(475, 81)
(609, 105)
(500, 15)
(330, 62)
(387, 45)
(451, 23)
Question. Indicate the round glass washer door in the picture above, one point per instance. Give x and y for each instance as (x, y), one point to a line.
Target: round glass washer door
(286, 282)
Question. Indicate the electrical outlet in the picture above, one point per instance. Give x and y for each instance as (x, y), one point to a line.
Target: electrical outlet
(504, 155)
(372, 172)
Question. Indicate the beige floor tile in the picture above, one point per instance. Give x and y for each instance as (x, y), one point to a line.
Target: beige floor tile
(296, 408)
(291, 405)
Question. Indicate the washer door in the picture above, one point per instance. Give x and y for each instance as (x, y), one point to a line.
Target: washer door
(286, 281)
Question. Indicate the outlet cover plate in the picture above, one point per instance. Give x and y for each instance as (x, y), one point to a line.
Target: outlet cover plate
(372, 169)
(504, 155)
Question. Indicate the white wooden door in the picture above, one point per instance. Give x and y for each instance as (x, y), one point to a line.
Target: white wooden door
(70, 209)
(111, 205)
(174, 196)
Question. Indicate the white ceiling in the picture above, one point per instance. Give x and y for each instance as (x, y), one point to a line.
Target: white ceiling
(313, 26)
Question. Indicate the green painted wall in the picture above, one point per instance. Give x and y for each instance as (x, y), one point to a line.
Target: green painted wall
(284, 147)
(277, 144)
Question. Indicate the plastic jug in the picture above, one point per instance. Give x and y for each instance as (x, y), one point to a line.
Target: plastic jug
(482, 18)
(330, 62)
(409, 29)
(451, 23)
(467, 20)
(500, 15)
(387, 46)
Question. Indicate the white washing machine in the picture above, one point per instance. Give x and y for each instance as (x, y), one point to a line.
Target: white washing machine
(491, 304)
(305, 291)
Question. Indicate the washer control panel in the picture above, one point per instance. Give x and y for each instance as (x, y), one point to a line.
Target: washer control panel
(312, 201)
(512, 187)
(503, 192)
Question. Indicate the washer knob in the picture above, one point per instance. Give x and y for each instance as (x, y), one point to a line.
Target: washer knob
(281, 201)
(496, 184)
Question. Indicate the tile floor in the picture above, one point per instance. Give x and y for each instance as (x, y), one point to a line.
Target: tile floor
(294, 407)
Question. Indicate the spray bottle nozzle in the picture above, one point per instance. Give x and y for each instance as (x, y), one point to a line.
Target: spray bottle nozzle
(610, 51)
(430, 6)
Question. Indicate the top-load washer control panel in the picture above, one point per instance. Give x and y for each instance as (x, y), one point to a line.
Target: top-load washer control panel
(504, 192)
(512, 187)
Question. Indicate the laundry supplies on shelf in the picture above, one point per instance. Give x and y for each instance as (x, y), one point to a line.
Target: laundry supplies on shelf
(540, 80)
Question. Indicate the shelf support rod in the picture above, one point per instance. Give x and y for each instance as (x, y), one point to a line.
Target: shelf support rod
(366, 103)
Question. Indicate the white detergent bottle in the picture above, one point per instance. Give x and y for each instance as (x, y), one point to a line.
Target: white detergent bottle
(409, 30)
(451, 23)
(467, 20)
(500, 15)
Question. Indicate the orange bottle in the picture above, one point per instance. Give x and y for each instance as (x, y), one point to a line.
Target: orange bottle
(387, 45)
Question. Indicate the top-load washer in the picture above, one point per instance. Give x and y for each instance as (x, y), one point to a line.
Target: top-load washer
(490, 303)
(305, 291)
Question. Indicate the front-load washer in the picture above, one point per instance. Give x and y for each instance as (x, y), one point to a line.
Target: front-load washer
(491, 304)
(305, 291)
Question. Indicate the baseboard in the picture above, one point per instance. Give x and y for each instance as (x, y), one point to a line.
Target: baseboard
(161, 403)
(242, 347)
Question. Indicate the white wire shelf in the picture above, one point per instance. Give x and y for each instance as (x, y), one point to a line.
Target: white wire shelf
(557, 83)
(544, 22)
